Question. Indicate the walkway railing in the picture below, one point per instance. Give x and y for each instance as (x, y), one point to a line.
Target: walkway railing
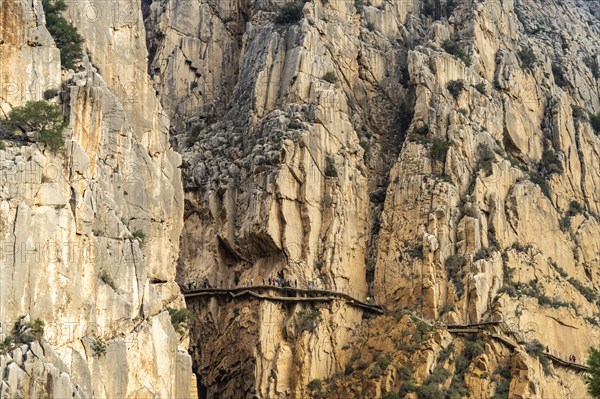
(290, 294)
(481, 327)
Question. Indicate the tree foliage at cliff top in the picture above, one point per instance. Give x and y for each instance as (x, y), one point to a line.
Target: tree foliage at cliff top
(67, 39)
(593, 380)
(41, 117)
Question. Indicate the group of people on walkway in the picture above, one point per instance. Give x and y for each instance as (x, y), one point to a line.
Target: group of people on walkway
(279, 282)
(572, 358)
(272, 281)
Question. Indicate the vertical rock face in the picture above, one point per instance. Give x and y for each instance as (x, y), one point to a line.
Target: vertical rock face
(436, 154)
(90, 235)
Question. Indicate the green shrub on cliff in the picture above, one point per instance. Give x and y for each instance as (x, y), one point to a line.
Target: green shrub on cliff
(289, 13)
(593, 378)
(42, 117)
(595, 122)
(67, 39)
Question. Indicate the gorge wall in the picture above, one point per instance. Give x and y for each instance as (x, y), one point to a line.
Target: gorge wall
(90, 235)
(435, 155)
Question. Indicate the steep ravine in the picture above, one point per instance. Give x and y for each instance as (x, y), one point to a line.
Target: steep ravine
(426, 153)
(434, 157)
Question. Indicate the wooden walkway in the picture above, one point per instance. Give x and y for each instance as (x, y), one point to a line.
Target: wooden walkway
(282, 294)
(289, 294)
(476, 328)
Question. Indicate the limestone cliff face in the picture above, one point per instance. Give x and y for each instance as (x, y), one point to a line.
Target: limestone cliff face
(90, 235)
(437, 155)
(430, 152)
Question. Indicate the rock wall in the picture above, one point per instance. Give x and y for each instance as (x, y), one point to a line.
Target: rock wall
(455, 204)
(90, 234)
(437, 155)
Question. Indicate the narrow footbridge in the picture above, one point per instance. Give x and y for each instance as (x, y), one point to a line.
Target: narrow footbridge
(282, 294)
(482, 327)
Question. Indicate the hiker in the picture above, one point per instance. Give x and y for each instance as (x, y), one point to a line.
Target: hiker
(263, 281)
(574, 359)
(296, 283)
(194, 285)
(252, 281)
(547, 349)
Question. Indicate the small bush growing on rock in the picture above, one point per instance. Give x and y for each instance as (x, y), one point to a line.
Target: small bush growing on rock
(179, 318)
(315, 384)
(559, 75)
(383, 361)
(376, 371)
(438, 150)
(564, 223)
(527, 57)
(574, 208)
(480, 87)
(595, 122)
(348, 369)
(430, 391)
(330, 170)
(362, 365)
(50, 93)
(26, 332)
(455, 87)
(453, 48)
(447, 309)
(44, 118)
(289, 13)
(592, 63)
(6, 345)
(454, 270)
(486, 158)
(307, 320)
(536, 178)
(587, 292)
(578, 113)
(140, 236)
(99, 347)
(550, 163)
(438, 376)
(422, 130)
(359, 5)
(67, 39)
(294, 125)
(330, 77)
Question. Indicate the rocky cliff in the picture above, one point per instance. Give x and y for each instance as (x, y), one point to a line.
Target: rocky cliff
(90, 235)
(437, 155)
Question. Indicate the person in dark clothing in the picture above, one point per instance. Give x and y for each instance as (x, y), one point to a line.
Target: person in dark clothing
(296, 283)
